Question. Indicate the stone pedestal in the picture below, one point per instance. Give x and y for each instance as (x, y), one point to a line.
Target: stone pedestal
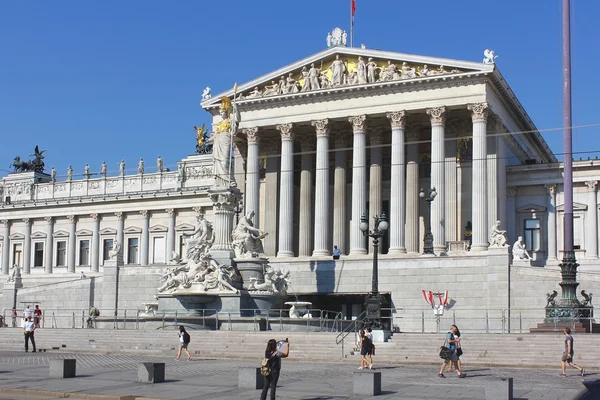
(381, 335)
(151, 372)
(251, 268)
(499, 389)
(9, 294)
(250, 378)
(367, 383)
(63, 368)
(224, 201)
(110, 284)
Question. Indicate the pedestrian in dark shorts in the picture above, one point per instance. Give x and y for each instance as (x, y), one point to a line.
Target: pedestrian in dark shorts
(567, 357)
(184, 341)
(451, 342)
(365, 350)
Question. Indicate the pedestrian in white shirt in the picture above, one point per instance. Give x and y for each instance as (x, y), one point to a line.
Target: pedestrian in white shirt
(29, 331)
(26, 315)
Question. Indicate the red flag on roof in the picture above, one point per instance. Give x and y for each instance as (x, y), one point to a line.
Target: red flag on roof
(353, 7)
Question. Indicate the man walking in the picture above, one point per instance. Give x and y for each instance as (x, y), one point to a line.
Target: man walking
(37, 316)
(28, 331)
(567, 357)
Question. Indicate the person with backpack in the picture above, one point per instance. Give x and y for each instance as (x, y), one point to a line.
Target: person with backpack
(270, 367)
(369, 334)
(184, 340)
(366, 346)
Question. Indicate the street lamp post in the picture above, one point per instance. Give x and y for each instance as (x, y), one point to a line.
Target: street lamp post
(373, 299)
(428, 239)
(239, 207)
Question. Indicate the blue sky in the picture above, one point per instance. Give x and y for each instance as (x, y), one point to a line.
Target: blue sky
(102, 81)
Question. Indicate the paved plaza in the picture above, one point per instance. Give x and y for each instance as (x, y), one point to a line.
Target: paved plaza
(116, 375)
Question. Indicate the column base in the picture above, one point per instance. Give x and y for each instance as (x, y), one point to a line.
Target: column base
(477, 248)
(284, 254)
(397, 251)
(439, 250)
(357, 252)
(427, 255)
(321, 253)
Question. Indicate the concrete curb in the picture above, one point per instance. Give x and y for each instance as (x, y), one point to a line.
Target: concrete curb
(69, 395)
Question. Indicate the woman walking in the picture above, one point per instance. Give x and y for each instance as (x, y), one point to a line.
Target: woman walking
(369, 334)
(184, 340)
(451, 343)
(456, 364)
(365, 349)
(274, 356)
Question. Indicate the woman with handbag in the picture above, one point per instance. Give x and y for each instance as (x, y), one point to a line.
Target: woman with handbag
(448, 352)
(457, 364)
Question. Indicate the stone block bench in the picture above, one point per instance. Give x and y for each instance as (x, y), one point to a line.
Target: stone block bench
(63, 368)
(499, 389)
(151, 372)
(250, 378)
(367, 383)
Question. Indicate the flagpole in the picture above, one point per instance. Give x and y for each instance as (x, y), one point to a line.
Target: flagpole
(231, 133)
(351, 23)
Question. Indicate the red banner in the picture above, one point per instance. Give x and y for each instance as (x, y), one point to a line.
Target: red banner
(353, 7)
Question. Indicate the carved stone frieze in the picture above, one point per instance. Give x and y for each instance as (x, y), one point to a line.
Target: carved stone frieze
(198, 172)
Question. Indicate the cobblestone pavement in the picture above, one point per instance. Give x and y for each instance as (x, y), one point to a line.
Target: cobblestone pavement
(217, 379)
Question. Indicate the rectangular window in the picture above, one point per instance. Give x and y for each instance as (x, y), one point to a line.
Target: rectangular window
(532, 234)
(61, 254)
(38, 254)
(159, 249)
(107, 246)
(17, 254)
(132, 251)
(84, 252)
(577, 232)
(181, 246)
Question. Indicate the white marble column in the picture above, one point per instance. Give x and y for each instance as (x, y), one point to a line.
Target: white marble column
(286, 195)
(412, 189)
(501, 173)
(144, 245)
(359, 184)
(438, 177)
(450, 177)
(321, 226)
(27, 247)
(340, 225)
(492, 179)
(252, 194)
(306, 201)
(171, 233)
(375, 177)
(72, 244)
(479, 114)
(95, 258)
(120, 234)
(272, 188)
(591, 223)
(5, 246)
(397, 184)
(552, 240)
(48, 245)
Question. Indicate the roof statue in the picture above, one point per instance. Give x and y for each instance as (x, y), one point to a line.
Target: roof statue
(206, 94)
(203, 146)
(337, 37)
(489, 57)
(34, 165)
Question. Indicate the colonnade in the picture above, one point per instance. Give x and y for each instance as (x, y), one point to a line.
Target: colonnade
(315, 231)
(50, 262)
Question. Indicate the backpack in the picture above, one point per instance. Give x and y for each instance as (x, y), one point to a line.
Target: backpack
(96, 312)
(186, 338)
(265, 367)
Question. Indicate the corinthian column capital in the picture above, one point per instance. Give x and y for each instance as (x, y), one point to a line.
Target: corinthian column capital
(479, 111)
(592, 185)
(359, 123)
(437, 115)
(551, 189)
(251, 135)
(322, 127)
(286, 131)
(397, 119)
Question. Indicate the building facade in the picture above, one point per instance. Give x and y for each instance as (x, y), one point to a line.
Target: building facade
(318, 148)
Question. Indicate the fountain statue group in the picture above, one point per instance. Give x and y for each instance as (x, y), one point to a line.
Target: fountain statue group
(196, 267)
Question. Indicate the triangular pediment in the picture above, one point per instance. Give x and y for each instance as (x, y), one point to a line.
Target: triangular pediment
(158, 228)
(38, 235)
(133, 229)
(576, 207)
(531, 208)
(389, 67)
(84, 232)
(108, 231)
(184, 227)
(17, 236)
(60, 234)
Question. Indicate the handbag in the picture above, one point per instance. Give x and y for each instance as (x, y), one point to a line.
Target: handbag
(459, 352)
(445, 352)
